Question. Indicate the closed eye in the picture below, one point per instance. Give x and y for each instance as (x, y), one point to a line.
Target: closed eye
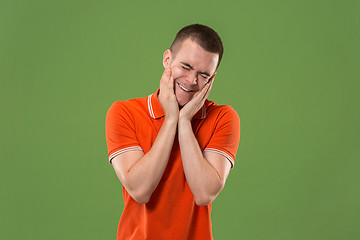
(185, 68)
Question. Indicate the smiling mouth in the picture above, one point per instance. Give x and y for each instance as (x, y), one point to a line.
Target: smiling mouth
(185, 89)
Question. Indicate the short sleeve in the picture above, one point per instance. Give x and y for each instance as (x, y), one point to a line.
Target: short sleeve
(226, 136)
(120, 130)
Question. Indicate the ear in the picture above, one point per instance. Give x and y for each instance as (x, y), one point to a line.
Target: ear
(167, 58)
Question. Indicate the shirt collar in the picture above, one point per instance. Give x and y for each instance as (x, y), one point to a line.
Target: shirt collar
(156, 111)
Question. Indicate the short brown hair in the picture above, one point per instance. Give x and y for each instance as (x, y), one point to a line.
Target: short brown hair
(205, 36)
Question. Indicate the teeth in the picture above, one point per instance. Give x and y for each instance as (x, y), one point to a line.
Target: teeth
(184, 88)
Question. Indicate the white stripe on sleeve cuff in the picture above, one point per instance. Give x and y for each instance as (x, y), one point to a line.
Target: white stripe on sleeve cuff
(222, 153)
(114, 154)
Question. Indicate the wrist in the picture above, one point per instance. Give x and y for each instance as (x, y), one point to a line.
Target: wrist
(171, 120)
(183, 117)
(184, 121)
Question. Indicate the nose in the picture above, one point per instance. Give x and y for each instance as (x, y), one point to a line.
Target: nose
(192, 78)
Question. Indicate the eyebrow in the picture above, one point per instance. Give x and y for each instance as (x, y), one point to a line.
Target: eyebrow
(192, 68)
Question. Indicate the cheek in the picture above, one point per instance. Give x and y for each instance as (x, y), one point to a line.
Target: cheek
(178, 72)
(201, 85)
(201, 82)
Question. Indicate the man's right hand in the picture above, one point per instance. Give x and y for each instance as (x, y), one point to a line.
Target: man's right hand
(140, 173)
(167, 96)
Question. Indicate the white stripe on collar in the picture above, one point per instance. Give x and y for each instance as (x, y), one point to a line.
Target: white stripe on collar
(151, 111)
(203, 112)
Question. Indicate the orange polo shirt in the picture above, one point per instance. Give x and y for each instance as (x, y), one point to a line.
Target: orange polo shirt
(171, 212)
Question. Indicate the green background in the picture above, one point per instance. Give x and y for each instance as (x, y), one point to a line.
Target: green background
(290, 69)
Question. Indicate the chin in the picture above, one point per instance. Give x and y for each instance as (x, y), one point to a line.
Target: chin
(181, 103)
(181, 97)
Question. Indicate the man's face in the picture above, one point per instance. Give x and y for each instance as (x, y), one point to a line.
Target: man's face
(192, 67)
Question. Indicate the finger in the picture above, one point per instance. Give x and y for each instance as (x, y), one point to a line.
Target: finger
(206, 91)
(164, 81)
(171, 82)
(209, 90)
(170, 71)
(166, 74)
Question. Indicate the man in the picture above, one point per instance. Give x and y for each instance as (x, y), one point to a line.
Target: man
(173, 150)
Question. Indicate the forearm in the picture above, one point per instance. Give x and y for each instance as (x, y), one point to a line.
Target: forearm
(143, 178)
(203, 180)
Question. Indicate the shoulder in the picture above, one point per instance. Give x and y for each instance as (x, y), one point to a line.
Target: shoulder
(127, 110)
(221, 111)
